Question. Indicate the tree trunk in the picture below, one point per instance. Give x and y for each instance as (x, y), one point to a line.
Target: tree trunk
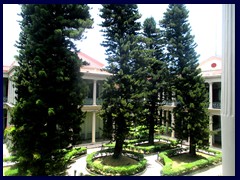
(151, 123)
(192, 145)
(118, 149)
(151, 130)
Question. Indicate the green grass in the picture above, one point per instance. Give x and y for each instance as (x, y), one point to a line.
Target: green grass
(5, 169)
(176, 164)
(106, 165)
(186, 158)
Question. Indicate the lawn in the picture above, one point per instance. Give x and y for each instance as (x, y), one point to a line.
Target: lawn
(179, 162)
(185, 158)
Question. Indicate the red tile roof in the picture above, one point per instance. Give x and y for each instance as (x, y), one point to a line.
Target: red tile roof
(93, 63)
(94, 66)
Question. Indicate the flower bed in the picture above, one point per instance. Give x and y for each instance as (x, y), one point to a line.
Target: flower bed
(115, 170)
(168, 170)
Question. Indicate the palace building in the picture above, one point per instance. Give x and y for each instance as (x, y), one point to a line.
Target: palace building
(94, 76)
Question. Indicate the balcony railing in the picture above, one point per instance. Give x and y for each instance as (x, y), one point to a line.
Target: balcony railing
(5, 99)
(216, 105)
(169, 103)
(89, 101)
(99, 101)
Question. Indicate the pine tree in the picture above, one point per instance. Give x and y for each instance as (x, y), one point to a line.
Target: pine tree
(120, 30)
(156, 74)
(50, 93)
(191, 118)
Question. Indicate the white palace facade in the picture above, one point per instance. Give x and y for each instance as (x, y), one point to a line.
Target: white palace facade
(94, 76)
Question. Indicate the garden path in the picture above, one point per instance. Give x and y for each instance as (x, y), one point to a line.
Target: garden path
(153, 168)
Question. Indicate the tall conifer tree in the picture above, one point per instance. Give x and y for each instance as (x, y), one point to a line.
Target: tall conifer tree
(120, 30)
(47, 115)
(156, 74)
(191, 118)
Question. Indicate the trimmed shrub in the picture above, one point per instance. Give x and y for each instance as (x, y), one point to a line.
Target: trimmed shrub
(118, 170)
(74, 153)
(13, 171)
(8, 137)
(134, 145)
(10, 159)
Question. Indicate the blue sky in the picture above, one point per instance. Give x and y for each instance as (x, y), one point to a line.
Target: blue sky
(205, 21)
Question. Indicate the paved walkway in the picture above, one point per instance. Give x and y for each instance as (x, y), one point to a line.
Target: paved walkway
(208, 171)
(153, 167)
(79, 166)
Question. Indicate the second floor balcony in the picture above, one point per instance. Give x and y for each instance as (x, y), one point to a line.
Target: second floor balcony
(90, 102)
(216, 105)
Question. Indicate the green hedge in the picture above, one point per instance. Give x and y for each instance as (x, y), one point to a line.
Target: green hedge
(10, 159)
(74, 153)
(132, 145)
(167, 170)
(13, 171)
(118, 170)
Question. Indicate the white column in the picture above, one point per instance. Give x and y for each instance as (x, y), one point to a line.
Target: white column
(173, 99)
(210, 94)
(94, 92)
(163, 117)
(9, 90)
(172, 125)
(167, 121)
(8, 118)
(211, 129)
(93, 126)
(228, 91)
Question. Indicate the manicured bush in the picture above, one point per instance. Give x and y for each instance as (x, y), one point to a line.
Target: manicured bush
(135, 145)
(10, 159)
(118, 170)
(138, 132)
(75, 152)
(13, 171)
(110, 145)
(8, 138)
(167, 170)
